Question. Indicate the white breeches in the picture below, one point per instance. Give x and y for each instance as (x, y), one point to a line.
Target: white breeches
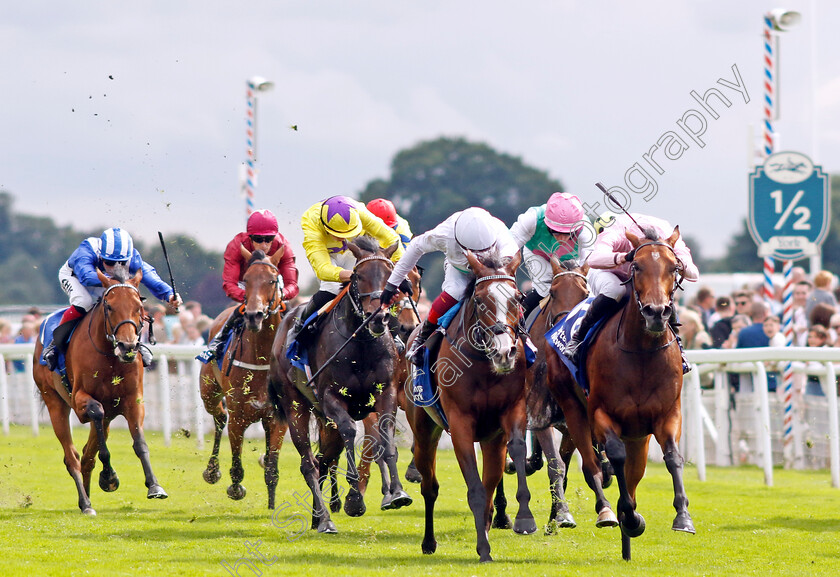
(345, 260)
(80, 295)
(604, 282)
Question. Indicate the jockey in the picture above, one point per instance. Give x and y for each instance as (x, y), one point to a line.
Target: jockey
(114, 248)
(558, 228)
(261, 233)
(385, 210)
(473, 229)
(327, 227)
(609, 268)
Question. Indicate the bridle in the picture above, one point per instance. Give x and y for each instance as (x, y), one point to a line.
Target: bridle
(355, 296)
(678, 277)
(551, 322)
(497, 328)
(110, 328)
(270, 309)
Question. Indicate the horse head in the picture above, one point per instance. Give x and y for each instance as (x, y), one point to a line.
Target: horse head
(370, 275)
(123, 311)
(654, 276)
(496, 310)
(406, 319)
(262, 287)
(568, 288)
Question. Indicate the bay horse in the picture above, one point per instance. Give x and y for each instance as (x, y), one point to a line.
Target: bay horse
(569, 286)
(360, 380)
(105, 376)
(635, 376)
(480, 377)
(236, 394)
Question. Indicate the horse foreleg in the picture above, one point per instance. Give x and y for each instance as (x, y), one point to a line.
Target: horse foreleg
(108, 480)
(560, 516)
(275, 430)
(236, 432)
(426, 438)
(674, 463)
(368, 454)
(462, 439)
(493, 455)
(211, 396)
(394, 496)
(134, 415)
(524, 523)
(354, 503)
(632, 524)
(60, 418)
(501, 520)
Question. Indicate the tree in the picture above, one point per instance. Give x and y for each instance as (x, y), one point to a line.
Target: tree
(436, 178)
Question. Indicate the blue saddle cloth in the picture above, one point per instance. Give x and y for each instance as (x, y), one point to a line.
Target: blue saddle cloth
(560, 334)
(298, 356)
(48, 326)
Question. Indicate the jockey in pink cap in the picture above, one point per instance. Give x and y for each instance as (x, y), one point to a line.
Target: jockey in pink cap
(558, 228)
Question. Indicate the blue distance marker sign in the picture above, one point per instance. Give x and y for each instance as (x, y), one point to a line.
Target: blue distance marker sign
(789, 206)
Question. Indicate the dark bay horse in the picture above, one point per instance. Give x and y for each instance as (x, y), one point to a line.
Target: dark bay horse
(105, 374)
(242, 382)
(635, 376)
(480, 377)
(568, 287)
(358, 382)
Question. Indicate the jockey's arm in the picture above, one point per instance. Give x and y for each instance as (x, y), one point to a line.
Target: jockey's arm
(289, 272)
(524, 228)
(232, 271)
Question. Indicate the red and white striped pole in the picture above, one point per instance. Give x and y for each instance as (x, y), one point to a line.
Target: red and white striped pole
(254, 86)
(768, 138)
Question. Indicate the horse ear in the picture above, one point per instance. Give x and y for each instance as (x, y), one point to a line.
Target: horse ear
(514, 263)
(104, 279)
(275, 258)
(357, 252)
(675, 236)
(138, 276)
(634, 240)
(246, 254)
(584, 270)
(475, 264)
(391, 249)
(556, 267)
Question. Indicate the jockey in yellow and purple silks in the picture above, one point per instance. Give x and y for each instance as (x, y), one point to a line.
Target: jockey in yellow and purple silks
(385, 210)
(327, 228)
(559, 229)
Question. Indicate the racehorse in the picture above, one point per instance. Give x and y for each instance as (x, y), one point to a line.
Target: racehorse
(105, 376)
(635, 377)
(568, 288)
(480, 377)
(360, 380)
(237, 393)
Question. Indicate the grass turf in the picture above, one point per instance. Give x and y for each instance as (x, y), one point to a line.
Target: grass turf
(743, 527)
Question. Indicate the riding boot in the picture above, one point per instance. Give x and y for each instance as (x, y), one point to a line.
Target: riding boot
(145, 354)
(318, 300)
(415, 353)
(529, 302)
(601, 307)
(71, 317)
(675, 325)
(217, 345)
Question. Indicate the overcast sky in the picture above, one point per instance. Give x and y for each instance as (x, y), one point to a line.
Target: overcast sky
(133, 115)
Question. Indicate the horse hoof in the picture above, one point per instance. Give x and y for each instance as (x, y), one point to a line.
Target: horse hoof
(236, 492)
(606, 518)
(533, 465)
(510, 468)
(261, 461)
(109, 483)
(485, 559)
(429, 547)
(502, 522)
(211, 475)
(635, 531)
(683, 523)
(400, 499)
(156, 492)
(387, 502)
(89, 512)
(354, 505)
(327, 527)
(412, 475)
(565, 521)
(524, 526)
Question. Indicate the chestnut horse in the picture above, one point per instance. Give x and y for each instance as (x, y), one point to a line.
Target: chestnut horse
(242, 381)
(105, 375)
(635, 377)
(480, 377)
(360, 380)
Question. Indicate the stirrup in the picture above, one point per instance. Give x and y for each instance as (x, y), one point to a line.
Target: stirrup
(571, 350)
(146, 355)
(416, 354)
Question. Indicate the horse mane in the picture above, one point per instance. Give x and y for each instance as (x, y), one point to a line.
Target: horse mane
(256, 255)
(367, 243)
(120, 273)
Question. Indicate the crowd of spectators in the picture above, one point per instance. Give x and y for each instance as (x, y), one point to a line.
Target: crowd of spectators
(744, 320)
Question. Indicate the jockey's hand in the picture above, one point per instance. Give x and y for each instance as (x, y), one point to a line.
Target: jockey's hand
(345, 275)
(619, 258)
(405, 287)
(175, 301)
(389, 295)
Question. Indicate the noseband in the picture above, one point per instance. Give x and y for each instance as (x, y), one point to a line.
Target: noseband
(355, 296)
